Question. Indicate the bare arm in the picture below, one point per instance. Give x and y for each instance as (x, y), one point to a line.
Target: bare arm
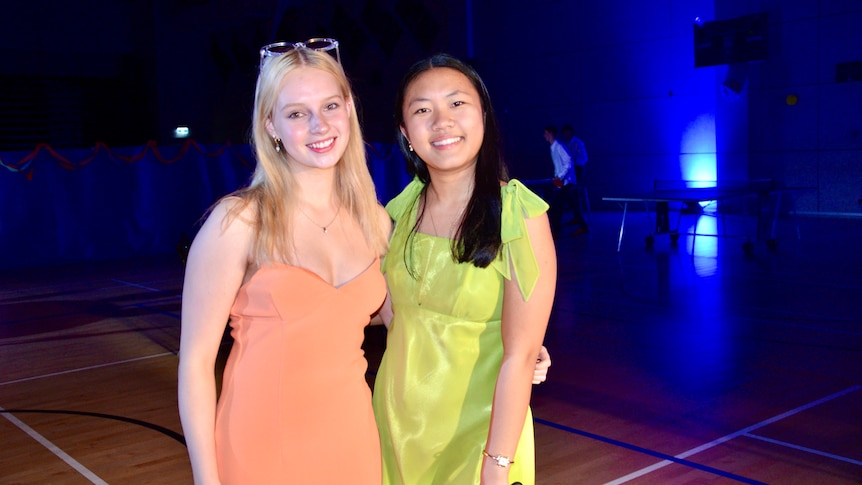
(214, 272)
(384, 314)
(523, 329)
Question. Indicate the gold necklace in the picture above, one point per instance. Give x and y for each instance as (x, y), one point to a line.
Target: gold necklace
(325, 226)
(455, 222)
(431, 217)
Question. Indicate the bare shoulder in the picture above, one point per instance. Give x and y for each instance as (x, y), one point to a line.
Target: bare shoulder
(233, 209)
(230, 223)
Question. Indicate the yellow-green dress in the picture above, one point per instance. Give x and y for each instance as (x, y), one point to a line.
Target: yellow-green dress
(435, 385)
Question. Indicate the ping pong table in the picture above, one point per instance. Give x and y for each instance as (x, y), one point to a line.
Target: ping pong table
(692, 195)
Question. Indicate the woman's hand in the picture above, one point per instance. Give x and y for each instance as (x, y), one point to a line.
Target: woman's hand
(543, 362)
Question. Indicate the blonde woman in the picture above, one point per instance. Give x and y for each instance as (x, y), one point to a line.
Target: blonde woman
(293, 262)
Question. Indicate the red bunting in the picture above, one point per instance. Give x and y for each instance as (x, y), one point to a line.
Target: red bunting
(25, 165)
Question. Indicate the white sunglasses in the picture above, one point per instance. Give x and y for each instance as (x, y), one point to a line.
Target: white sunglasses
(317, 44)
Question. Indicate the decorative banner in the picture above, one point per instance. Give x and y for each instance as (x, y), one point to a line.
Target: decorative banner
(25, 165)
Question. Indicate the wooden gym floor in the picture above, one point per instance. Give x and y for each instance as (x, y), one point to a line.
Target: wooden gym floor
(668, 368)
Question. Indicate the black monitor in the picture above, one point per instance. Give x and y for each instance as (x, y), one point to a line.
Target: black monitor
(731, 41)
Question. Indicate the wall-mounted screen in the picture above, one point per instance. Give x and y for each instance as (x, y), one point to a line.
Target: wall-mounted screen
(741, 39)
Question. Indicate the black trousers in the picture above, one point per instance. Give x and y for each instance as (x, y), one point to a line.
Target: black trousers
(563, 199)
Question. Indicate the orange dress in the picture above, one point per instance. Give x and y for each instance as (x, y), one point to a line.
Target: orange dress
(295, 406)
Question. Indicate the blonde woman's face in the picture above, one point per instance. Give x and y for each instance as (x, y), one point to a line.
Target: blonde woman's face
(312, 118)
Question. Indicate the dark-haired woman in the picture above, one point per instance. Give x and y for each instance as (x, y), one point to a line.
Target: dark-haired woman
(471, 272)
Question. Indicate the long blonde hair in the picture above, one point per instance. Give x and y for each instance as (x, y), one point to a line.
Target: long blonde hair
(272, 189)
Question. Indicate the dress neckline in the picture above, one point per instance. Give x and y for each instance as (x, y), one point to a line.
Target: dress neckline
(315, 275)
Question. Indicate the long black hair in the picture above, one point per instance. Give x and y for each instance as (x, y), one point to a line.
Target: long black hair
(477, 238)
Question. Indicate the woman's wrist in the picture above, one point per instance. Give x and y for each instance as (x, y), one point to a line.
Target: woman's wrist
(492, 474)
(499, 460)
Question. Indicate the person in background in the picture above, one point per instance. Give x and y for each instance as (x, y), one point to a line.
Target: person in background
(471, 273)
(564, 195)
(576, 149)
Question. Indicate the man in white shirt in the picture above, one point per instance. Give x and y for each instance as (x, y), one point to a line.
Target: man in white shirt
(564, 193)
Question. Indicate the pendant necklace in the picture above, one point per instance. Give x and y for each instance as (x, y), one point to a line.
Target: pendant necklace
(325, 226)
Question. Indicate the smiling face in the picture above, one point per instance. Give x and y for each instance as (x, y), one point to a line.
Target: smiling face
(311, 117)
(444, 119)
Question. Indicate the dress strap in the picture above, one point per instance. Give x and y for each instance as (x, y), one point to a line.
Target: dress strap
(402, 210)
(519, 204)
(399, 206)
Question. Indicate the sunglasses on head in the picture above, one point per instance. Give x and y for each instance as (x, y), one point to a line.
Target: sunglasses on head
(317, 43)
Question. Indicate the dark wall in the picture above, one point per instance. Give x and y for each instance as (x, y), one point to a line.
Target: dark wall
(124, 72)
(622, 72)
(209, 83)
(75, 73)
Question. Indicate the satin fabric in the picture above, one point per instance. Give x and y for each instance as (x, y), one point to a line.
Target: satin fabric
(435, 386)
(295, 406)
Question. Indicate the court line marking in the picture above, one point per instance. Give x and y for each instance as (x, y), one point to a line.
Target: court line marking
(742, 432)
(647, 451)
(87, 414)
(136, 285)
(803, 448)
(70, 371)
(90, 475)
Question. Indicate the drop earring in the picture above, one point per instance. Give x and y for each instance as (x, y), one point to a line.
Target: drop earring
(277, 144)
(410, 146)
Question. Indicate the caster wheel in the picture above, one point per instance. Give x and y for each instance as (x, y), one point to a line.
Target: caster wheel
(649, 241)
(748, 247)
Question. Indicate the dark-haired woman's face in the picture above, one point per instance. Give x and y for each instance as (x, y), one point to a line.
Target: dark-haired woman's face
(444, 120)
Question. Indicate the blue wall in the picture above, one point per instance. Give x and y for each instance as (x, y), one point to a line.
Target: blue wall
(70, 206)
